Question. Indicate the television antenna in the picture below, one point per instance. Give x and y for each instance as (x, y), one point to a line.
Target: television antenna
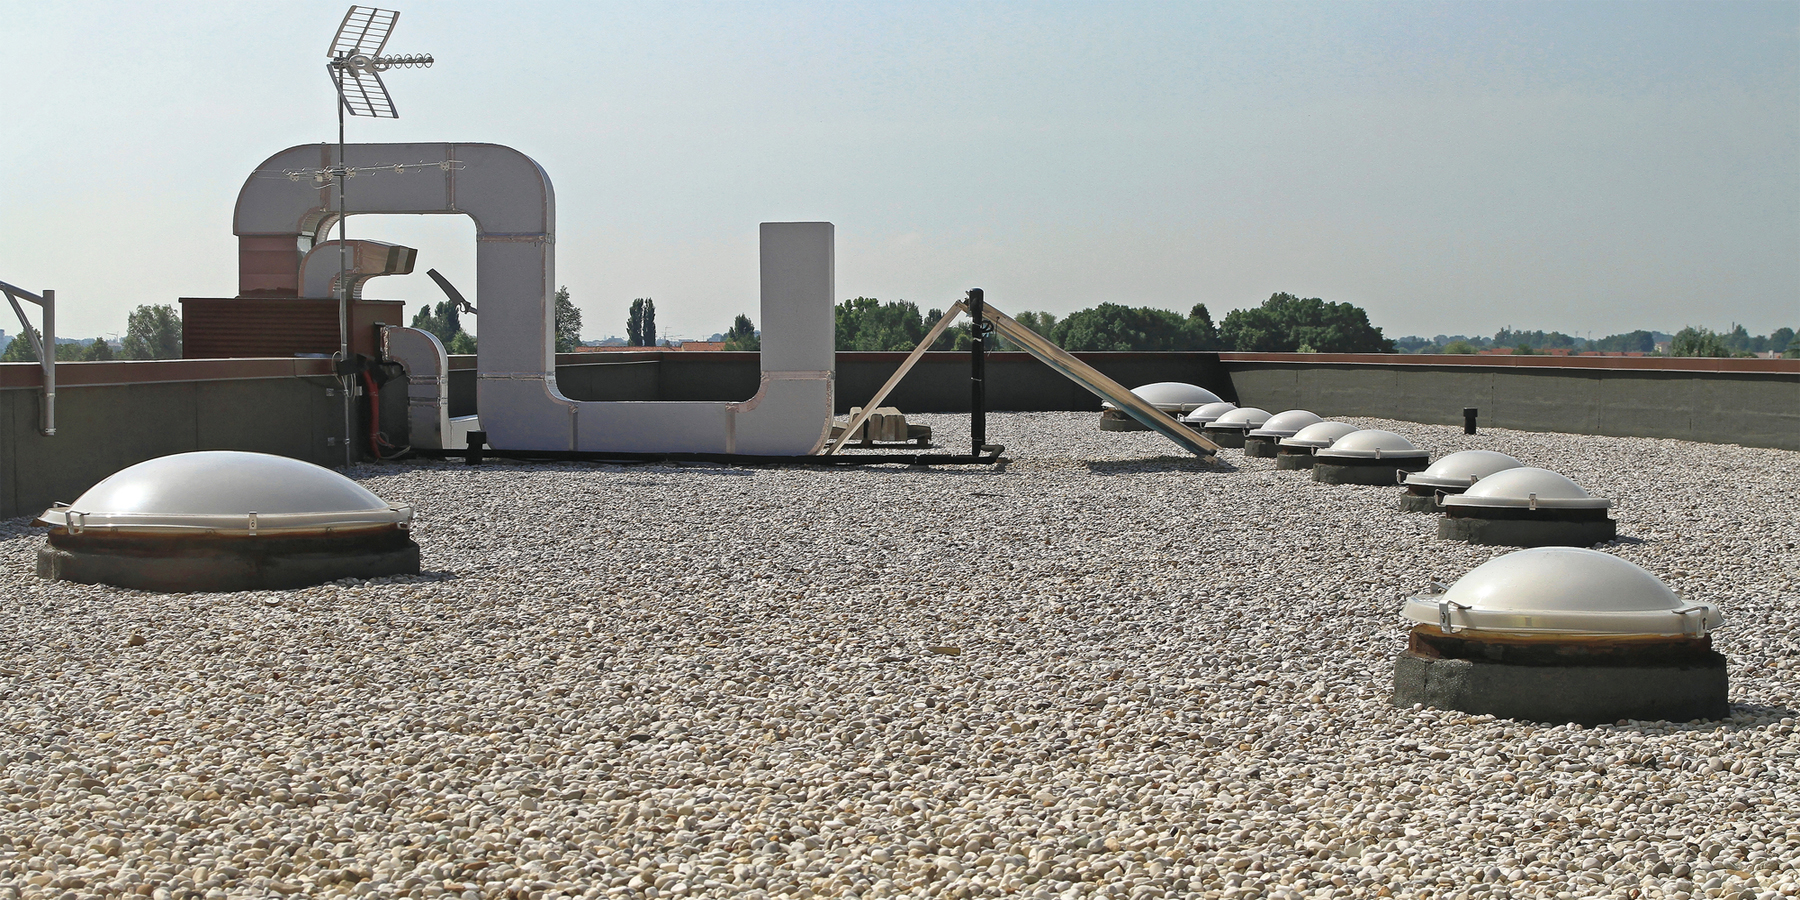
(356, 64)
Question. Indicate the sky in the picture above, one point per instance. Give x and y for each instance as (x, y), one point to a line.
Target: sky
(1453, 168)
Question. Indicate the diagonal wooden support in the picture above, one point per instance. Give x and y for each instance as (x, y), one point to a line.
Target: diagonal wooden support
(868, 409)
(1058, 359)
(1101, 386)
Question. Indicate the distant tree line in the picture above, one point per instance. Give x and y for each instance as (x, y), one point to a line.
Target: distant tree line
(1690, 341)
(151, 332)
(1283, 323)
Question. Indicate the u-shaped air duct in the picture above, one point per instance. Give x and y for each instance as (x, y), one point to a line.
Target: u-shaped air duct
(283, 211)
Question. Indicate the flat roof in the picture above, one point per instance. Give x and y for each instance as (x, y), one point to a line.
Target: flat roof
(1102, 663)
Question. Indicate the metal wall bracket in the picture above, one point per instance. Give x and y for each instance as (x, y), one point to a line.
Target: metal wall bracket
(45, 347)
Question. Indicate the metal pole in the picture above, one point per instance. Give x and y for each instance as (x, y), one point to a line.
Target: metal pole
(978, 329)
(343, 286)
(49, 427)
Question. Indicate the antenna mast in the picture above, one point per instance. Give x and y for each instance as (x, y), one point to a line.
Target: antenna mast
(355, 62)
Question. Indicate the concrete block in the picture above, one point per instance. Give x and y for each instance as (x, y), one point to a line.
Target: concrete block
(1261, 447)
(1586, 695)
(1225, 437)
(1289, 462)
(1375, 471)
(1114, 420)
(225, 564)
(1420, 503)
(1527, 532)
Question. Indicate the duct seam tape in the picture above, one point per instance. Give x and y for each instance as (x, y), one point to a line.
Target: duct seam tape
(515, 376)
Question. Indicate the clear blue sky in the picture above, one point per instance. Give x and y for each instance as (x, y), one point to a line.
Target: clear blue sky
(1452, 167)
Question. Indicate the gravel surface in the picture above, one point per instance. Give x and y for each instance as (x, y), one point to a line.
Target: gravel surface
(1102, 670)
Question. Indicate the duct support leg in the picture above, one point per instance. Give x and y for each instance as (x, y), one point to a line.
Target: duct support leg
(978, 330)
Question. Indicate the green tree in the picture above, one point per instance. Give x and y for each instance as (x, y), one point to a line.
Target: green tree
(865, 323)
(1111, 326)
(1463, 347)
(19, 349)
(1042, 323)
(742, 335)
(945, 340)
(1202, 334)
(640, 324)
(98, 351)
(1737, 339)
(1691, 341)
(1537, 340)
(152, 332)
(568, 322)
(1781, 340)
(462, 344)
(445, 321)
(1284, 322)
(1629, 342)
(425, 321)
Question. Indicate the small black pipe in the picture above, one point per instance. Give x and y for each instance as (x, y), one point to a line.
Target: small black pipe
(978, 331)
(1469, 420)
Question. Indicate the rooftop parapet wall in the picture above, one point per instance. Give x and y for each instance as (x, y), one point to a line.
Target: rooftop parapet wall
(114, 414)
(1753, 402)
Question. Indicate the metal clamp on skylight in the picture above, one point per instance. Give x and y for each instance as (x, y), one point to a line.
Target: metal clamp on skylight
(1445, 605)
(1697, 614)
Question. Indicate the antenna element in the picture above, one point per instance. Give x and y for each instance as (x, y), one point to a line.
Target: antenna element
(356, 65)
(356, 62)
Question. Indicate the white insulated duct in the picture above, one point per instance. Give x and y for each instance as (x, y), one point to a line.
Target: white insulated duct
(428, 420)
(283, 211)
(319, 269)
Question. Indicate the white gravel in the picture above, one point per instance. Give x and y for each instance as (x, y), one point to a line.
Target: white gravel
(1103, 670)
